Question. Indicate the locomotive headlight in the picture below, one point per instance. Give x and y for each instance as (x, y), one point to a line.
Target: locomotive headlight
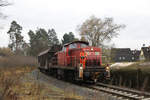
(107, 68)
(81, 68)
(108, 71)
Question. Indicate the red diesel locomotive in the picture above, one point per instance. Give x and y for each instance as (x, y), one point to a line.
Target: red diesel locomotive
(77, 61)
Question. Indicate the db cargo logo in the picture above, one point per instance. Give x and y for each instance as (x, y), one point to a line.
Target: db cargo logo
(92, 53)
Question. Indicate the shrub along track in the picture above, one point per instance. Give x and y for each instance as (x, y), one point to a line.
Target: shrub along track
(122, 93)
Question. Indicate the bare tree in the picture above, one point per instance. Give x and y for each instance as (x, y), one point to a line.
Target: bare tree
(4, 3)
(96, 30)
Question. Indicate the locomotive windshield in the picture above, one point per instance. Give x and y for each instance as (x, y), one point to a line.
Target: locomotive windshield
(71, 46)
(83, 45)
(76, 45)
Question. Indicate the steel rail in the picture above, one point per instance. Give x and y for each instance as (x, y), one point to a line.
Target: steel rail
(146, 94)
(121, 92)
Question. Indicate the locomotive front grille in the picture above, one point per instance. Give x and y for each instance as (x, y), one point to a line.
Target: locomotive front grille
(92, 63)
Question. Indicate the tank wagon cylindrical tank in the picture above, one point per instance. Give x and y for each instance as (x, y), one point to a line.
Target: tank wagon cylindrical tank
(76, 60)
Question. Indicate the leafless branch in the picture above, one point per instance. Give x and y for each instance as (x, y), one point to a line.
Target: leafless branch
(97, 30)
(4, 3)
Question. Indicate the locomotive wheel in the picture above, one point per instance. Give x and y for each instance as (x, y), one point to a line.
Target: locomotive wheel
(59, 77)
(60, 73)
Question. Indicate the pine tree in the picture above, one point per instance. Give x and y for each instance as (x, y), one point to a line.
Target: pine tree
(68, 38)
(41, 40)
(52, 38)
(16, 39)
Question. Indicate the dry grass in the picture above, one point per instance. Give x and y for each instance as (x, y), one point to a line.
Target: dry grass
(9, 79)
(18, 84)
(20, 61)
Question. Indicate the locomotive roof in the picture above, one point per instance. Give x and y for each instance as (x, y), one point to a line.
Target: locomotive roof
(53, 49)
(44, 52)
(76, 42)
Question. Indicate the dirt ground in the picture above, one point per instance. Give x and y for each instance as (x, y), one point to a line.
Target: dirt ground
(28, 83)
(65, 90)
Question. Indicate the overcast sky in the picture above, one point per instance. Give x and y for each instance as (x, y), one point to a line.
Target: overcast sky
(65, 15)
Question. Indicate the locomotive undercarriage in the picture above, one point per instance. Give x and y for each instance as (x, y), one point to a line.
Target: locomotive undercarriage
(93, 74)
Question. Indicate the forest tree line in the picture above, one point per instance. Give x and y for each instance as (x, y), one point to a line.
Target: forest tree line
(39, 40)
(94, 30)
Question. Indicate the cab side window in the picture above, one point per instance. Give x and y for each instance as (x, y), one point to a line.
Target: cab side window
(64, 49)
(83, 45)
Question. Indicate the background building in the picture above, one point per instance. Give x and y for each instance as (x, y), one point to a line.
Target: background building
(124, 55)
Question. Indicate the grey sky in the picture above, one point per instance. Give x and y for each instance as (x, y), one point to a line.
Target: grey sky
(65, 15)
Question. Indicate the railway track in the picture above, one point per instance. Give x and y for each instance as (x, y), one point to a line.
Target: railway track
(121, 93)
(118, 92)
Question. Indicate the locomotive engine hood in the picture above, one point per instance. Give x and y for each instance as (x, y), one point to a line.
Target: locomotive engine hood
(92, 51)
(93, 56)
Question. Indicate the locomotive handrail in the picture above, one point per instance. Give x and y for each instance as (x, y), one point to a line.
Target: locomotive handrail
(74, 60)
